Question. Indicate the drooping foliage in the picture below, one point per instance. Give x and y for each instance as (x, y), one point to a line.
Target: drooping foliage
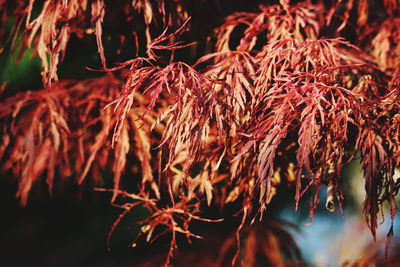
(288, 91)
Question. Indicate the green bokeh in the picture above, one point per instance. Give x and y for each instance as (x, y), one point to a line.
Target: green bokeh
(23, 73)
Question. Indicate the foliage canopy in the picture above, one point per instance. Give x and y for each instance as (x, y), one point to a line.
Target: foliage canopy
(289, 91)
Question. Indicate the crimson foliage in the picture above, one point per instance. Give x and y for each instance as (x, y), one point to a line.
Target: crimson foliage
(291, 91)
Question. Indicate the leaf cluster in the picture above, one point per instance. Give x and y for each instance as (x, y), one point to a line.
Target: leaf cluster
(285, 94)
